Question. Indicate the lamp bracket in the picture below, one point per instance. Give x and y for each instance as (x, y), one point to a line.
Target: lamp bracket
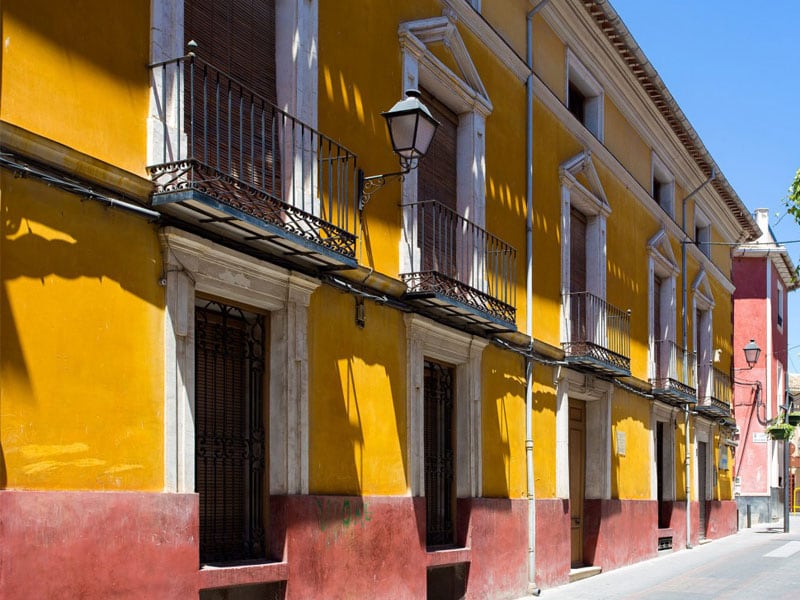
(368, 185)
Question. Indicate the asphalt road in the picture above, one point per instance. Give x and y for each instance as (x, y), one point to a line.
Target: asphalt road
(758, 563)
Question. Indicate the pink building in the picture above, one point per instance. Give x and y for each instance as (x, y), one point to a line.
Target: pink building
(763, 275)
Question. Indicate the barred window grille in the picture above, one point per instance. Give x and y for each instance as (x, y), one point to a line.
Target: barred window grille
(230, 459)
(440, 497)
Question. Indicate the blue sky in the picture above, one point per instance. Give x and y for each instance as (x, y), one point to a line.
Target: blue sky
(733, 68)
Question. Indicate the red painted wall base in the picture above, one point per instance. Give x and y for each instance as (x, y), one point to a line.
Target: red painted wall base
(374, 547)
(97, 545)
(721, 518)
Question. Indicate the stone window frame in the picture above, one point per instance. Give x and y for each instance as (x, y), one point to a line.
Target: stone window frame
(579, 76)
(592, 202)
(427, 339)
(666, 196)
(467, 97)
(661, 413)
(661, 263)
(193, 265)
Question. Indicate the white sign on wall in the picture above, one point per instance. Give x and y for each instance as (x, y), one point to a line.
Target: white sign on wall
(759, 437)
(621, 443)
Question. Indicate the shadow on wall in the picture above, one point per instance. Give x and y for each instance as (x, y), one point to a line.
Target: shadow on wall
(50, 235)
(357, 413)
(501, 417)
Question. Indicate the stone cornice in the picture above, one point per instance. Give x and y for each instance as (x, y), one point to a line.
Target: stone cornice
(72, 162)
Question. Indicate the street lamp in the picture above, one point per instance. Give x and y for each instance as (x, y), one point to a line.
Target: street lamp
(751, 353)
(411, 128)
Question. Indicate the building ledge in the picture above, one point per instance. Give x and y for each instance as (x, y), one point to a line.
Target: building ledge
(448, 556)
(212, 576)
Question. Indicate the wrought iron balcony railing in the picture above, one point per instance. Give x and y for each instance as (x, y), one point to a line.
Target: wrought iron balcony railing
(674, 370)
(714, 391)
(457, 260)
(598, 334)
(237, 159)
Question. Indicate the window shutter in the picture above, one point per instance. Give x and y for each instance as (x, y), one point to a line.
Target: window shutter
(577, 251)
(238, 37)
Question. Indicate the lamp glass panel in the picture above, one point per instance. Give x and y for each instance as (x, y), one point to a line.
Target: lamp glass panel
(425, 133)
(403, 130)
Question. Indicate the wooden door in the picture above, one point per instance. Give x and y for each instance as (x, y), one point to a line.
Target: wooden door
(577, 477)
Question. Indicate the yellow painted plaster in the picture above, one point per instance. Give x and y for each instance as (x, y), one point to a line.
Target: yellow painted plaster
(62, 73)
(503, 424)
(357, 401)
(549, 58)
(82, 318)
(626, 145)
(544, 432)
(630, 473)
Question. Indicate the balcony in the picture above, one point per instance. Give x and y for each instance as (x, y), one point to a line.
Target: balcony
(459, 273)
(675, 377)
(598, 335)
(228, 161)
(714, 392)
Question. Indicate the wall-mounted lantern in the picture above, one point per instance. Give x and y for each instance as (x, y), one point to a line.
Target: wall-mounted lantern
(411, 128)
(751, 353)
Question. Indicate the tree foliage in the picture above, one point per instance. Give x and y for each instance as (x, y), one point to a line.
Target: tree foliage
(793, 198)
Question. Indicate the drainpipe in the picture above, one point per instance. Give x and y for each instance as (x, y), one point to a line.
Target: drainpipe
(685, 317)
(532, 587)
(787, 402)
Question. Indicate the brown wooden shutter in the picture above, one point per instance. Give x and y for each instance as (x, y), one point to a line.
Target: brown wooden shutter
(235, 128)
(436, 180)
(238, 37)
(658, 333)
(577, 251)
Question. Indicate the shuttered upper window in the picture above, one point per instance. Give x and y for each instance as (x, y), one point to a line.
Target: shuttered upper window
(238, 37)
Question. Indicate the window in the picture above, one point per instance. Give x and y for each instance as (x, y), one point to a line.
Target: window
(454, 173)
(440, 454)
(236, 133)
(584, 210)
(779, 296)
(230, 434)
(667, 361)
(702, 305)
(278, 320)
(280, 62)
(584, 96)
(437, 183)
(444, 408)
(663, 186)
(702, 232)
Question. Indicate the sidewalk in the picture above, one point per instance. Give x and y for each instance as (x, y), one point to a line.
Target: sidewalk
(716, 569)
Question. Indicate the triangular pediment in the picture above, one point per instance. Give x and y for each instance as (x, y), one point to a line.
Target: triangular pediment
(579, 172)
(701, 289)
(661, 250)
(421, 36)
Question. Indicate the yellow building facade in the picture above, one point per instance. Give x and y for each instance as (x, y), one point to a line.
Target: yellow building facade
(243, 348)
